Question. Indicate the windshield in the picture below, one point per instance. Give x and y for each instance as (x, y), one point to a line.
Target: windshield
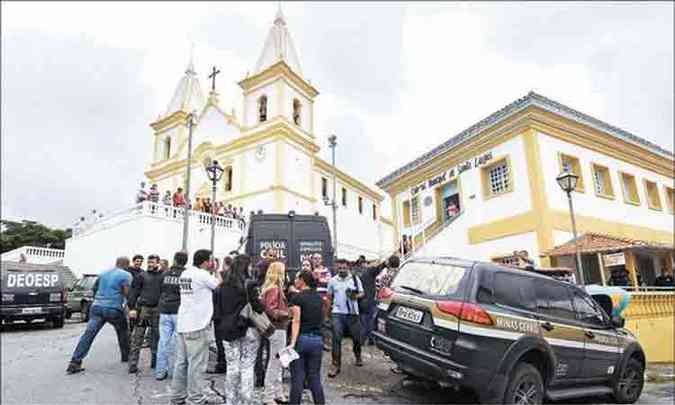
(88, 282)
(430, 279)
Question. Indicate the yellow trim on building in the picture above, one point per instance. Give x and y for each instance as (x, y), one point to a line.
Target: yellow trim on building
(278, 69)
(501, 228)
(485, 177)
(178, 117)
(623, 176)
(650, 196)
(576, 169)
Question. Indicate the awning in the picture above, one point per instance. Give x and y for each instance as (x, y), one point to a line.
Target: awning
(599, 243)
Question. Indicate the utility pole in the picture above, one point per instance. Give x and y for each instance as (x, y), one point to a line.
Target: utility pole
(332, 142)
(186, 212)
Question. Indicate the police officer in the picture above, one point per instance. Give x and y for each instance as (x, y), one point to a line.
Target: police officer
(144, 306)
(135, 270)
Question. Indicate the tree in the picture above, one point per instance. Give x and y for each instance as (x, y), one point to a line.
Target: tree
(30, 233)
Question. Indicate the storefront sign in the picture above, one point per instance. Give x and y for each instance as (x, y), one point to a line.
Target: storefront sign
(614, 259)
(455, 171)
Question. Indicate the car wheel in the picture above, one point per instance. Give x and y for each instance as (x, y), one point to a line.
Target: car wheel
(58, 322)
(525, 386)
(85, 312)
(628, 387)
(68, 314)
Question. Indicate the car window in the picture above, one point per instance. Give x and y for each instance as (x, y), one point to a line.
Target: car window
(586, 311)
(430, 278)
(554, 300)
(88, 282)
(514, 291)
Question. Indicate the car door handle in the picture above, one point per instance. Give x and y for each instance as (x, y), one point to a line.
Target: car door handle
(547, 326)
(589, 334)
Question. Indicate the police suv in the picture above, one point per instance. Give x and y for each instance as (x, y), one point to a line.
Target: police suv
(511, 336)
(31, 291)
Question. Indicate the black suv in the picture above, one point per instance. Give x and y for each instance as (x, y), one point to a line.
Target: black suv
(31, 292)
(509, 335)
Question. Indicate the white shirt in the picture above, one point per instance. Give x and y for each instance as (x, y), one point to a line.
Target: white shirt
(196, 300)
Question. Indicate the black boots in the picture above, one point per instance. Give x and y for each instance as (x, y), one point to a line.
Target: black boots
(74, 368)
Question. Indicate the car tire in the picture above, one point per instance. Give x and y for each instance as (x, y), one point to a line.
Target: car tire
(68, 314)
(58, 322)
(628, 386)
(85, 312)
(525, 386)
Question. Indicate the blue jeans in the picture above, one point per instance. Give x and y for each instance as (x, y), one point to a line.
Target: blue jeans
(99, 316)
(342, 323)
(167, 343)
(367, 319)
(310, 349)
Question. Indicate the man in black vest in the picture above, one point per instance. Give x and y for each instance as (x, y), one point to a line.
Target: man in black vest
(144, 306)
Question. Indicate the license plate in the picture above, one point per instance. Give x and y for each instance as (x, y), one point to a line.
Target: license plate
(31, 310)
(409, 314)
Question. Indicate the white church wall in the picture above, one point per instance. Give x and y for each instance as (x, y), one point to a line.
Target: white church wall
(591, 205)
(96, 251)
(297, 169)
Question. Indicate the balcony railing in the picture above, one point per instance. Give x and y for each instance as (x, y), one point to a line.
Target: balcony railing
(157, 210)
(34, 254)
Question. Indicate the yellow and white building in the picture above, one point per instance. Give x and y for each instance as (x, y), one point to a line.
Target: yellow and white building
(501, 174)
(270, 153)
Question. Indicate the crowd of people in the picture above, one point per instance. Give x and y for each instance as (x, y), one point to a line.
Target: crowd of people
(247, 307)
(178, 199)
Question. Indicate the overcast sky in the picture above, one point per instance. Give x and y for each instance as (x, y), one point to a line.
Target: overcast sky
(82, 81)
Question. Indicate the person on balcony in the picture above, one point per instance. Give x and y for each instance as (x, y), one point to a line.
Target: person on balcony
(199, 205)
(167, 200)
(154, 194)
(142, 195)
(665, 279)
(179, 198)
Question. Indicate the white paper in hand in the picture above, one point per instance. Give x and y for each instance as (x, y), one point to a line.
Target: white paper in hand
(287, 355)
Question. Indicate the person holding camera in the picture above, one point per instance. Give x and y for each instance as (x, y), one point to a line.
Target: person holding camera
(344, 292)
(368, 304)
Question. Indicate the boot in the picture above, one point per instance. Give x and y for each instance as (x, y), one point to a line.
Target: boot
(133, 369)
(359, 362)
(74, 367)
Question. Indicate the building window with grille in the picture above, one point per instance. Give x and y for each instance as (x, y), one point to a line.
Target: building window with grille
(512, 260)
(497, 178)
(360, 205)
(603, 181)
(324, 187)
(344, 197)
(571, 164)
(629, 189)
(415, 210)
(670, 199)
(653, 198)
(262, 108)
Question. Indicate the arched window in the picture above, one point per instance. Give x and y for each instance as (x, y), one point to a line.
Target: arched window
(297, 109)
(228, 178)
(167, 148)
(262, 108)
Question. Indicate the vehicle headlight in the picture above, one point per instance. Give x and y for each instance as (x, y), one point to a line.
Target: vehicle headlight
(55, 297)
(7, 297)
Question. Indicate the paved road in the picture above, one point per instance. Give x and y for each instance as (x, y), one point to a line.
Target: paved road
(34, 359)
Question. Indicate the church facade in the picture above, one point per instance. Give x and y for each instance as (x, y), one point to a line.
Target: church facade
(270, 152)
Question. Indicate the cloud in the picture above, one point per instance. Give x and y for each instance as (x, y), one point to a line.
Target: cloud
(82, 81)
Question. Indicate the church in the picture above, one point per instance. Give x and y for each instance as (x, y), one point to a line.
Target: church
(269, 153)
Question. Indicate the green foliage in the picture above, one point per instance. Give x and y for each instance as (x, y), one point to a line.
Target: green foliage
(29, 233)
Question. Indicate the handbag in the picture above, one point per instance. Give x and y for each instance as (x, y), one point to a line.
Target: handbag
(363, 304)
(280, 313)
(259, 320)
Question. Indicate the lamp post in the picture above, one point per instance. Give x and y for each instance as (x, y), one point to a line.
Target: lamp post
(568, 182)
(186, 214)
(332, 143)
(215, 172)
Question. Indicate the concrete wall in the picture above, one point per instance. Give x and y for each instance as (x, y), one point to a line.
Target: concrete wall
(141, 232)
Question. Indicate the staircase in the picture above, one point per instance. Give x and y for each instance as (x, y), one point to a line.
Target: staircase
(421, 239)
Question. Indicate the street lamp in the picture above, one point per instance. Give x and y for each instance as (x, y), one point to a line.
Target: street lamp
(215, 172)
(568, 183)
(332, 143)
(186, 214)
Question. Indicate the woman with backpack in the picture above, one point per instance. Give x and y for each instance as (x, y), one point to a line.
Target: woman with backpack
(276, 307)
(239, 335)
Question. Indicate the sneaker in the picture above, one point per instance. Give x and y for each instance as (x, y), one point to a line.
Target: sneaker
(281, 401)
(133, 369)
(161, 376)
(359, 362)
(177, 402)
(74, 368)
(334, 371)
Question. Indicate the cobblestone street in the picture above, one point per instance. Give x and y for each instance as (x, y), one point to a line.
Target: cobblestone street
(34, 359)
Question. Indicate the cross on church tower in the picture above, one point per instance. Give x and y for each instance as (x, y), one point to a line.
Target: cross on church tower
(212, 76)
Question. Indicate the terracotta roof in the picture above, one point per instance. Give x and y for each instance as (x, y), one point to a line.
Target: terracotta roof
(531, 99)
(598, 242)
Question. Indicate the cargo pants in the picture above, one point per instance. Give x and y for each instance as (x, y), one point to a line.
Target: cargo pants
(147, 317)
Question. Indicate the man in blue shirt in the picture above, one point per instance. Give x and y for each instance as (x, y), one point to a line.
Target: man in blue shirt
(344, 292)
(110, 292)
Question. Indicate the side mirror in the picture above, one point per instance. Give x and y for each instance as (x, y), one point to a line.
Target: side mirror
(618, 321)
